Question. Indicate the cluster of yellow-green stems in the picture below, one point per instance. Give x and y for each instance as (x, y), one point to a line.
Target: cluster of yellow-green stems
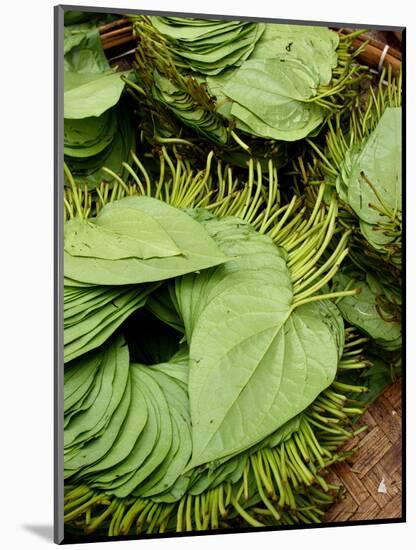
(284, 485)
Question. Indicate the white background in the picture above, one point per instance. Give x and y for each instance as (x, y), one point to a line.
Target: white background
(26, 256)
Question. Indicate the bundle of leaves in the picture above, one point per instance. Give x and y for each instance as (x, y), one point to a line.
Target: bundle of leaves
(281, 86)
(369, 309)
(208, 46)
(98, 127)
(202, 353)
(274, 94)
(362, 160)
(370, 183)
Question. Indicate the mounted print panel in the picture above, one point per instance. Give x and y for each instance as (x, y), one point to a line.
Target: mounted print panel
(229, 304)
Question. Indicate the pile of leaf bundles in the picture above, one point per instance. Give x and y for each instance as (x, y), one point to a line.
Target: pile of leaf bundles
(279, 82)
(362, 160)
(98, 129)
(203, 352)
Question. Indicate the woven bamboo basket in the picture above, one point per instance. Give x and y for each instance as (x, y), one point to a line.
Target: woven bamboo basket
(373, 476)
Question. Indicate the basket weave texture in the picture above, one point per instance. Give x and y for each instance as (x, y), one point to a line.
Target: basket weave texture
(376, 465)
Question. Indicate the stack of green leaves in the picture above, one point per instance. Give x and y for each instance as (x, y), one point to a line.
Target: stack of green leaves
(141, 440)
(241, 313)
(98, 130)
(180, 102)
(113, 261)
(370, 183)
(208, 46)
(247, 362)
(362, 161)
(365, 167)
(227, 351)
(271, 92)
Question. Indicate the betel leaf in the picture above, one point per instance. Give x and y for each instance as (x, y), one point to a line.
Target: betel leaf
(187, 110)
(269, 97)
(314, 46)
(96, 324)
(365, 311)
(88, 170)
(169, 471)
(279, 361)
(376, 378)
(118, 233)
(79, 378)
(342, 179)
(209, 46)
(250, 254)
(97, 131)
(90, 94)
(376, 236)
(270, 94)
(97, 448)
(83, 50)
(164, 438)
(241, 327)
(89, 136)
(375, 174)
(331, 316)
(192, 29)
(161, 305)
(123, 471)
(128, 435)
(114, 368)
(90, 85)
(198, 250)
